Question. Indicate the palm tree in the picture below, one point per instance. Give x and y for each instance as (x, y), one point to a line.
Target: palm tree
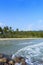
(1, 30)
(6, 29)
(17, 29)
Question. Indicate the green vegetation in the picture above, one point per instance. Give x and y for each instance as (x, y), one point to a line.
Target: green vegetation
(8, 32)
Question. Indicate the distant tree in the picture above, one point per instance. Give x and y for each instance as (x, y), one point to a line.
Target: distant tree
(17, 29)
(6, 29)
(1, 30)
(10, 28)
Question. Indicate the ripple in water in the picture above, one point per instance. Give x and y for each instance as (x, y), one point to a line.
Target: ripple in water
(33, 53)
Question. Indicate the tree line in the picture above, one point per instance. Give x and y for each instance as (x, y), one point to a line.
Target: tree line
(8, 32)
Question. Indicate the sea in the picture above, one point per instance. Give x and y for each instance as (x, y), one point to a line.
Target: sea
(30, 49)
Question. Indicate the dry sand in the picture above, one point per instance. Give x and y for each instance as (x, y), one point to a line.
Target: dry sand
(18, 38)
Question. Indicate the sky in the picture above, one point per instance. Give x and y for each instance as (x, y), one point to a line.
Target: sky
(22, 14)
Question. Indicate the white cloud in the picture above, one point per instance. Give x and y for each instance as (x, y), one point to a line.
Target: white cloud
(39, 25)
(30, 26)
(2, 24)
(40, 21)
(27, 27)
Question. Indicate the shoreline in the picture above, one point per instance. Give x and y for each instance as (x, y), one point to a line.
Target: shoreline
(18, 38)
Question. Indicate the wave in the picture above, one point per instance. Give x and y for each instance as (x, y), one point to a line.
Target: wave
(25, 43)
(29, 47)
(32, 52)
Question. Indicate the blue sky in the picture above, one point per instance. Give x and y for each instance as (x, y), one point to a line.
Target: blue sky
(22, 14)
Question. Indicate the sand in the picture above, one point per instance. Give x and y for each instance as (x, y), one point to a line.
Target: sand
(18, 38)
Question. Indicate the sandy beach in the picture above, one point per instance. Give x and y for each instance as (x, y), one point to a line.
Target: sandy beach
(18, 38)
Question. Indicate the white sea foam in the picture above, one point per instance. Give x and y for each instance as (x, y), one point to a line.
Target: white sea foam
(25, 43)
(34, 52)
(35, 47)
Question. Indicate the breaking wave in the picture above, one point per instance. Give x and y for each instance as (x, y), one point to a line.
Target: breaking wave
(33, 53)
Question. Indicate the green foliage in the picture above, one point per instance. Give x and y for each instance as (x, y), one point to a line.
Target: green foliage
(1, 30)
(17, 29)
(8, 32)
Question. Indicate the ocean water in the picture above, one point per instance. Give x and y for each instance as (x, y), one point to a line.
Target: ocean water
(31, 49)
